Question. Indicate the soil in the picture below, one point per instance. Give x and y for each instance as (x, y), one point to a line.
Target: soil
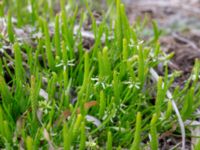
(179, 21)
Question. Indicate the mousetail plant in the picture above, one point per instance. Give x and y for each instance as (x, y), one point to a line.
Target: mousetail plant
(153, 133)
(10, 28)
(49, 53)
(138, 129)
(109, 141)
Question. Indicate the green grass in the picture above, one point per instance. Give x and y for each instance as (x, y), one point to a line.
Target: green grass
(58, 94)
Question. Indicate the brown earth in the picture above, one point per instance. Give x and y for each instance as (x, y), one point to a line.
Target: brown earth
(180, 22)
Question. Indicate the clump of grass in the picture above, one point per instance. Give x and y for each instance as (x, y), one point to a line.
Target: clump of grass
(63, 95)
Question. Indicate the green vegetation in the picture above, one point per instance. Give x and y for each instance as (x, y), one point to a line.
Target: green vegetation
(55, 92)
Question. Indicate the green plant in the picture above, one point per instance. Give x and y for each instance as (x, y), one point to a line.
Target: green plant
(137, 139)
(57, 91)
(10, 28)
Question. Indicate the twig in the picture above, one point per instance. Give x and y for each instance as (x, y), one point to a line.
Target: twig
(186, 41)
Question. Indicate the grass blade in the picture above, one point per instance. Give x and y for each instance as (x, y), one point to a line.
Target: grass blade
(137, 136)
(49, 53)
(10, 28)
(109, 141)
(153, 132)
(19, 71)
(83, 137)
(66, 137)
(57, 36)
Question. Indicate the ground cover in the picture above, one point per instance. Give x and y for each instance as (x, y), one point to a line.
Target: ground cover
(74, 77)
